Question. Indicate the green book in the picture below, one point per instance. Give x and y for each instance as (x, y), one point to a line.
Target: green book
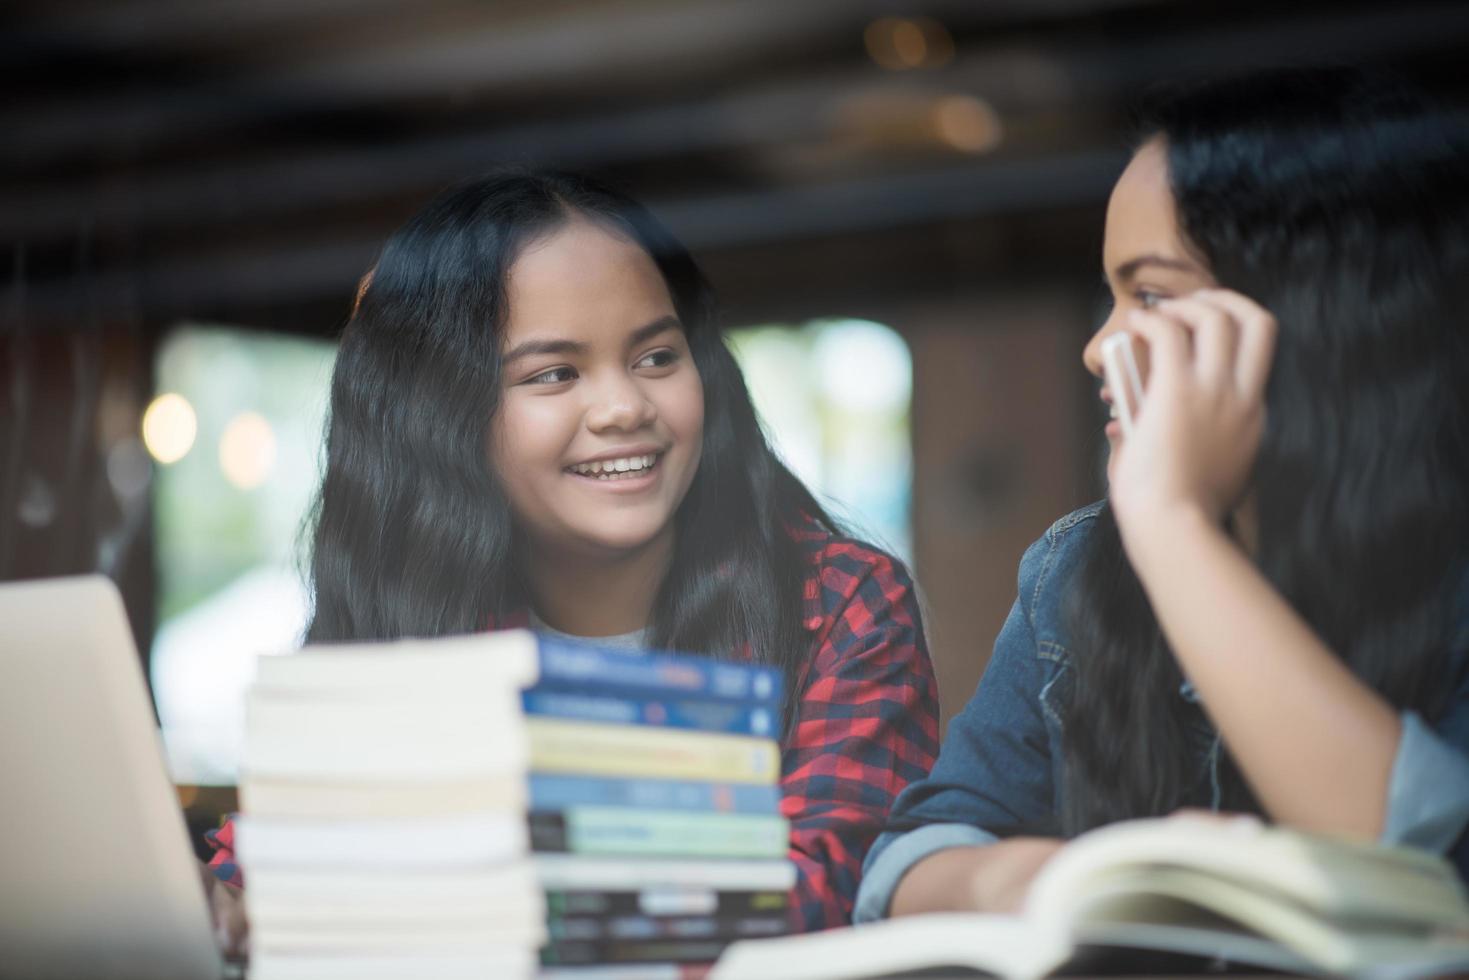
(621, 831)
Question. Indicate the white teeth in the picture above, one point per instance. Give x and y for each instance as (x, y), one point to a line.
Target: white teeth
(1113, 412)
(612, 469)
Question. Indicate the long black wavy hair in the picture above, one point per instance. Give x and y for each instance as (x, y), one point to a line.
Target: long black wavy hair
(413, 533)
(1340, 202)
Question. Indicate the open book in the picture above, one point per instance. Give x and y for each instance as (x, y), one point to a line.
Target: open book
(1222, 891)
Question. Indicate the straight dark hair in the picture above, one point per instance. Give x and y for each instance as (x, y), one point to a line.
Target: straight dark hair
(1340, 202)
(414, 535)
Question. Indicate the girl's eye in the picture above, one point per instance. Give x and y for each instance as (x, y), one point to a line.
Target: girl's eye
(554, 376)
(1148, 299)
(658, 358)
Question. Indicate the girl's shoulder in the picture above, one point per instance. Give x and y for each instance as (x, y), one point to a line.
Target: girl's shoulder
(842, 569)
(1046, 569)
(1058, 549)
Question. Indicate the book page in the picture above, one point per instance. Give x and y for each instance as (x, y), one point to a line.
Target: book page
(1336, 879)
(1001, 945)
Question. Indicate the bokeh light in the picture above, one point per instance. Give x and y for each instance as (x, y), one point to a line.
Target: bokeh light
(967, 123)
(905, 43)
(169, 428)
(247, 450)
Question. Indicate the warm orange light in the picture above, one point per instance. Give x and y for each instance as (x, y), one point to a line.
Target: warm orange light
(967, 123)
(909, 44)
(904, 43)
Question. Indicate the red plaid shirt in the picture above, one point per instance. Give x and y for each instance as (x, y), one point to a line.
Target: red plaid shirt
(867, 724)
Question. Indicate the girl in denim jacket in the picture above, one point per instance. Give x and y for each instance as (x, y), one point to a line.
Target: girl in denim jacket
(1267, 614)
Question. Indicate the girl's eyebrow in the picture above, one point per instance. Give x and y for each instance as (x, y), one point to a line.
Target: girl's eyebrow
(568, 347)
(644, 334)
(544, 347)
(1128, 269)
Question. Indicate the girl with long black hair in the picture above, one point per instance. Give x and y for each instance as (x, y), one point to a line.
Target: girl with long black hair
(535, 421)
(1270, 612)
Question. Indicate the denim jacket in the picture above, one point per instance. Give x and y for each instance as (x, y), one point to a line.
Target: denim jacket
(999, 773)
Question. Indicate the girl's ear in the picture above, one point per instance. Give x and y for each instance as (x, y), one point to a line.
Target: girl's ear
(362, 285)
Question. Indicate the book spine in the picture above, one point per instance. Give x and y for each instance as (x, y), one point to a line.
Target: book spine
(550, 791)
(354, 939)
(576, 872)
(430, 842)
(618, 831)
(348, 800)
(645, 927)
(305, 738)
(569, 953)
(581, 666)
(699, 714)
(632, 750)
(511, 884)
(685, 901)
(504, 961)
(618, 971)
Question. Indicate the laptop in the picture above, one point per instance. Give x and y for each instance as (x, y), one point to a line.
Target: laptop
(97, 876)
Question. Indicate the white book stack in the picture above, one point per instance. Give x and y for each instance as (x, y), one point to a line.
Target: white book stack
(383, 797)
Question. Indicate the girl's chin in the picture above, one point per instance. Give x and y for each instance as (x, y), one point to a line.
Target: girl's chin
(622, 542)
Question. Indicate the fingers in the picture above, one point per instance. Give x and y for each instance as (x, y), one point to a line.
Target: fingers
(238, 927)
(1233, 338)
(229, 920)
(227, 909)
(1257, 331)
(1215, 335)
(1168, 344)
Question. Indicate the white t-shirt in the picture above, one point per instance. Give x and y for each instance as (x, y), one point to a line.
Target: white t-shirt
(634, 642)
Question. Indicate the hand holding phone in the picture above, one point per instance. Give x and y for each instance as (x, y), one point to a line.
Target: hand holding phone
(1124, 380)
(1206, 364)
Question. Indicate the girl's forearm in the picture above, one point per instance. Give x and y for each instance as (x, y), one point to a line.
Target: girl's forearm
(992, 878)
(1316, 744)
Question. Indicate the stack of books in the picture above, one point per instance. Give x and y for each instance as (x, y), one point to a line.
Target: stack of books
(655, 809)
(383, 794)
(392, 795)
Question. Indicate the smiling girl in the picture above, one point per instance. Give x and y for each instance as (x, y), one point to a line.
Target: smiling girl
(1270, 611)
(535, 421)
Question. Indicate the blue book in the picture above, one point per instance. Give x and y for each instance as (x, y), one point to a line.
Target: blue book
(702, 714)
(549, 791)
(518, 659)
(569, 665)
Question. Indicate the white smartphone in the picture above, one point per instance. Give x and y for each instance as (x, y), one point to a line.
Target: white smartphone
(1124, 380)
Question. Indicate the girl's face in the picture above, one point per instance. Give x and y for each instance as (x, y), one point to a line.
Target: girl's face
(1144, 257)
(601, 417)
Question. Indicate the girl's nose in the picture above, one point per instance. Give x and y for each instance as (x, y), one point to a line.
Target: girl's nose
(619, 403)
(1091, 354)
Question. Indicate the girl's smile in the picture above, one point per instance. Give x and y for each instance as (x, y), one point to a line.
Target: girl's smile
(621, 471)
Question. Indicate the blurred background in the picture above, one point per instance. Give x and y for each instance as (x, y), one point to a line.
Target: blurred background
(900, 204)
